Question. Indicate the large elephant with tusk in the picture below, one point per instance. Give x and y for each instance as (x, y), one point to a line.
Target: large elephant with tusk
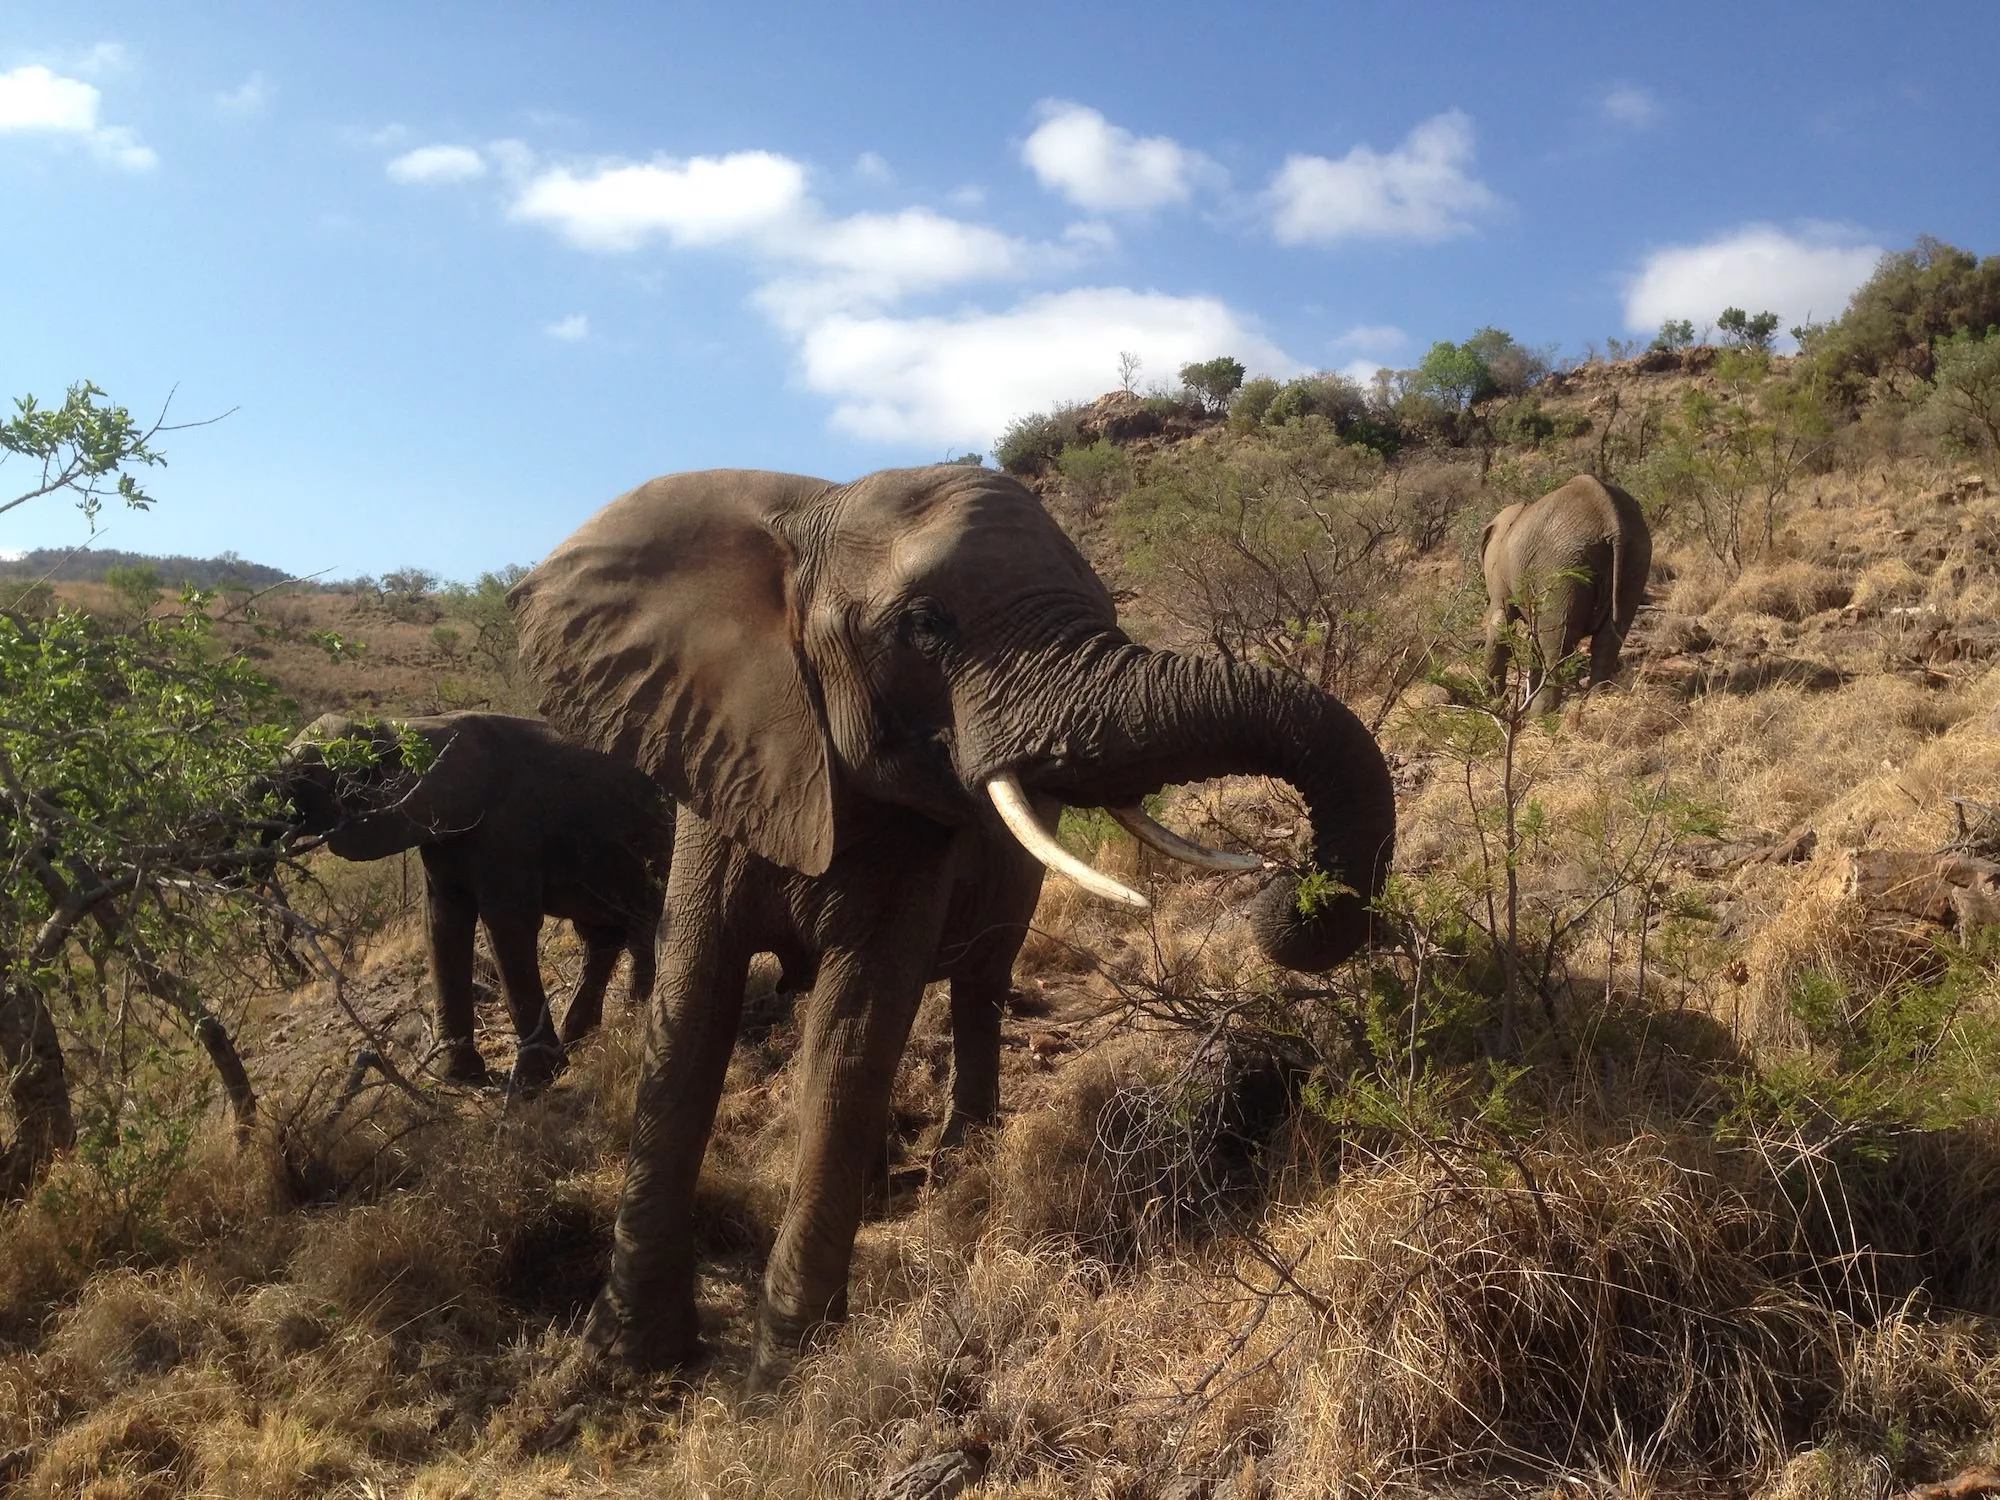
(871, 700)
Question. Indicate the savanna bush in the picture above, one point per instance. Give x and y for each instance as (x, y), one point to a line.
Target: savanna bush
(1031, 443)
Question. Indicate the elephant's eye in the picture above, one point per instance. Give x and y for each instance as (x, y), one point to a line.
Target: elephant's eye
(925, 627)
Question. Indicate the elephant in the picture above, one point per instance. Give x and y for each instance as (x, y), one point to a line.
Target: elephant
(513, 823)
(869, 700)
(1574, 563)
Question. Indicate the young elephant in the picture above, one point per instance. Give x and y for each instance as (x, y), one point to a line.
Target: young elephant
(513, 822)
(1574, 563)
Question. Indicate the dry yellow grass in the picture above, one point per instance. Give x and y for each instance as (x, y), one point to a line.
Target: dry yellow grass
(1646, 1294)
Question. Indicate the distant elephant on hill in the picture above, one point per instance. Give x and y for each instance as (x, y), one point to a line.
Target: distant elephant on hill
(513, 823)
(1573, 564)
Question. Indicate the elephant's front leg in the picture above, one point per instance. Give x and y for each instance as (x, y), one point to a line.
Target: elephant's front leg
(858, 1021)
(646, 1315)
(452, 916)
(514, 926)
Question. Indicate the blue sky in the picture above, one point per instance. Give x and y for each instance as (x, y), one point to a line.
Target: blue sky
(465, 272)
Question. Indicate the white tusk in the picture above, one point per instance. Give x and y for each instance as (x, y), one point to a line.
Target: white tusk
(1187, 851)
(1012, 805)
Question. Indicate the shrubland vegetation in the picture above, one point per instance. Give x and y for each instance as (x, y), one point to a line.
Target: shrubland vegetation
(1652, 1150)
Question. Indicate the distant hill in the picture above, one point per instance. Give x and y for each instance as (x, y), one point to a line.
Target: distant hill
(90, 564)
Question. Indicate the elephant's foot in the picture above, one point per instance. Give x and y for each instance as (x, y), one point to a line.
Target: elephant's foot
(781, 1339)
(966, 1123)
(671, 1343)
(575, 1029)
(461, 1063)
(536, 1066)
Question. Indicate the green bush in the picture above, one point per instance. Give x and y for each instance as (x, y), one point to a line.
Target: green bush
(1033, 442)
(1334, 397)
(137, 586)
(1917, 300)
(1095, 472)
(1740, 330)
(1963, 404)
(1675, 335)
(1250, 404)
(1274, 549)
(1511, 367)
(1524, 423)
(1214, 381)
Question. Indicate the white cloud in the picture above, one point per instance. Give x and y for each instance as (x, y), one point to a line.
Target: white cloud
(437, 164)
(1361, 371)
(570, 330)
(871, 166)
(105, 57)
(831, 285)
(868, 260)
(1383, 338)
(1422, 190)
(704, 200)
(1757, 268)
(1075, 151)
(1628, 104)
(756, 201)
(960, 379)
(34, 100)
(248, 97)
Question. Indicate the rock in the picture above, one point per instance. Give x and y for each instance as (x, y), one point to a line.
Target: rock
(939, 1477)
(1972, 906)
(1980, 1479)
(1795, 848)
(1974, 641)
(1924, 885)
(1119, 417)
(1713, 860)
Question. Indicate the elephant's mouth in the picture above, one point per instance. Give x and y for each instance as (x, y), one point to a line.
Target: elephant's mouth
(1011, 802)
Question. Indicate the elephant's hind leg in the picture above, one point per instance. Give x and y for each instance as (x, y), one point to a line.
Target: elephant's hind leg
(977, 1001)
(1498, 653)
(1605, 646)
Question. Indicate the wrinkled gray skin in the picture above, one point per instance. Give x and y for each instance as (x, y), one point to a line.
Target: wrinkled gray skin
(513, 823)
(825, 677)
(1588, 529)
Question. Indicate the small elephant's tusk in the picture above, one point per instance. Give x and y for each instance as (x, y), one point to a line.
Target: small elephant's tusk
(1187, 851)
(1012, 805)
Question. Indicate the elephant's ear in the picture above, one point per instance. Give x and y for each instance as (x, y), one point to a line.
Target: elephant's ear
(666, 632)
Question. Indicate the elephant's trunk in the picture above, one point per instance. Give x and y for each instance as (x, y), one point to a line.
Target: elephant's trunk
(1140, 719)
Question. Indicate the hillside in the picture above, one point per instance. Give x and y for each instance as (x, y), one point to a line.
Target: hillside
(91, 564)
(1657, 1153)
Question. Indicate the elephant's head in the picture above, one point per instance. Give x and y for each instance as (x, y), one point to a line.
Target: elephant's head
(789, 656)
(350, 781)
